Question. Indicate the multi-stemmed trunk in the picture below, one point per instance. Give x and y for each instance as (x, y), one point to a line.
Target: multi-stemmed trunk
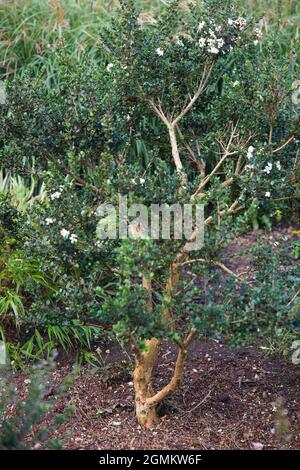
(146, 400)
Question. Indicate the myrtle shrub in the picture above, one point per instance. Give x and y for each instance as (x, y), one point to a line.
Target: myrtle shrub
(194, 105)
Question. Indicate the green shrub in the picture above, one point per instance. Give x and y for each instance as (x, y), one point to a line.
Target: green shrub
(22, 429)
(191, 106)
(262, 308)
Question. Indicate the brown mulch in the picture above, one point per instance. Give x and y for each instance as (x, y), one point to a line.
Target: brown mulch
(229, 399)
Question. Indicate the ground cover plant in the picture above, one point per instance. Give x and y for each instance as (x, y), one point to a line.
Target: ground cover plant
(191, 103)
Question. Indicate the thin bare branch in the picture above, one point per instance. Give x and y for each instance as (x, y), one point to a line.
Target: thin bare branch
(233, 209)
(294, 298)
(284, 145)
(201, 88)
(215, 263)
(201, 402)
(200, 166)
(158, 111)
(227, 153)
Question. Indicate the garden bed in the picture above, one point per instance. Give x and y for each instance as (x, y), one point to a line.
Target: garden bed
(228, 400)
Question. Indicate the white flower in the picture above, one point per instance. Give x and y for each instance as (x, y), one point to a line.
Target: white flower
(133, 181)
(214, 44)
(236, 83)
(49, 221)
(278, 165)
(202, 42)
(241, 23)
(201, 25)
(55, 195)
(268, 168)
(218, 29)
(258, 33)
(65, 233)
(142, 180)
(230, 22)
(99, 243)
(109, 67)
(255, 42)
(220, 42)
(250, 152)
(73, 238)
(213, 50)
(179, 43)
(268, 194)
(159, 51)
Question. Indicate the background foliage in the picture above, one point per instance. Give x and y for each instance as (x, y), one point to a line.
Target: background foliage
(74, 133)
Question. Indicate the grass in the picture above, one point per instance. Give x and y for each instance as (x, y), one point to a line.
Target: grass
(31, 29)
(281, 16)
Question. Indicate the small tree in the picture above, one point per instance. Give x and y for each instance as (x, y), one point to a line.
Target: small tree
(165, 66)
(172, 67)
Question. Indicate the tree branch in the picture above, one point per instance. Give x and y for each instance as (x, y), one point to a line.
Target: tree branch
(284, 145)
(177, 375)
(200, 165)
(227, 153)
(176, 157)
(204, 80)
(216, 263)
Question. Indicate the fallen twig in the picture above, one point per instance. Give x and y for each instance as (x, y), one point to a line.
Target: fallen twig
(201, 402)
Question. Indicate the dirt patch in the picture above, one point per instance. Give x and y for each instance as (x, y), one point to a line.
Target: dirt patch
(227, 400)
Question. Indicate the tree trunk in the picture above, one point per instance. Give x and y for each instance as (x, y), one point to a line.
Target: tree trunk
(142, 378)
(146, 400)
